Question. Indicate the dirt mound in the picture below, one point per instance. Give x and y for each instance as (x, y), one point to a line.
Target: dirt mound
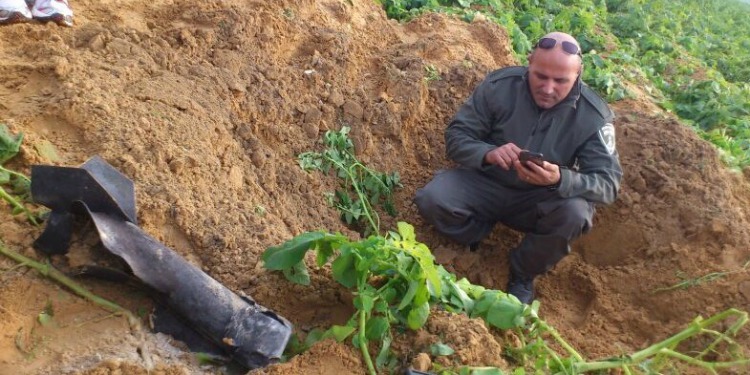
(205, 107)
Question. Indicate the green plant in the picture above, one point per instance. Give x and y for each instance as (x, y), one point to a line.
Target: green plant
(53, 274)
(396, 282)
(259, 210)
(689, 282)
(361, 188)
(19, 184)
(431, 73)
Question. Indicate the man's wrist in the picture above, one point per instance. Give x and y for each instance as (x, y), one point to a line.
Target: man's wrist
(559, 181)
(554, 186)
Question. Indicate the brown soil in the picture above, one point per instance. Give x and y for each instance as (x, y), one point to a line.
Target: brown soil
(205, 105)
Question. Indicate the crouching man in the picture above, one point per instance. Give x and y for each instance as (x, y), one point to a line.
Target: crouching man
(544, 108)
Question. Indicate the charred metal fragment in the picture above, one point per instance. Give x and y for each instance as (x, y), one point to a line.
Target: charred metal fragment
(248, 332)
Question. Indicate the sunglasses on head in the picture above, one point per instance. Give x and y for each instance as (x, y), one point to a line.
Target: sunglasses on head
(549, 43)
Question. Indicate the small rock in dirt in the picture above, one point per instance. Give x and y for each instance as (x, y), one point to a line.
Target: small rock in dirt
(311, 129)
(353, 109)
(744, 288)
(120, 46)
(177, 166)
(258, 157)
(313, 116)
(62, 66)
(336, 98)
(97, 43)
(237, 88)
(421, 362)
(717, 227)
(236, 177)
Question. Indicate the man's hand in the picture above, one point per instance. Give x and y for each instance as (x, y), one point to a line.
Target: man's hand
(545, 175)
(503, 156)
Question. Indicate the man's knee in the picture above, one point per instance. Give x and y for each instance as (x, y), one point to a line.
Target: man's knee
(572, 216)
(433, 203)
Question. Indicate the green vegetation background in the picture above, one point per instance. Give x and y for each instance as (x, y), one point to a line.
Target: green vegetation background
(691, 56)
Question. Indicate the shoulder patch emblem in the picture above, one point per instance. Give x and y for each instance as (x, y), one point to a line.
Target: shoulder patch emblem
(607, 135)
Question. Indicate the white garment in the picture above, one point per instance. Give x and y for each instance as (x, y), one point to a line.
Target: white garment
(14, 10)
(44, 9)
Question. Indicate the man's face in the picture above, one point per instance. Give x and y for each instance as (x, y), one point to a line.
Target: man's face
(552, 74)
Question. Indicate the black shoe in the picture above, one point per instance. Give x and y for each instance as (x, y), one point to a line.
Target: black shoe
(522, 288)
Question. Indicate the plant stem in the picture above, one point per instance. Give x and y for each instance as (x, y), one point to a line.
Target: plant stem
(711, 366)
(368, 210)
(664, 346)
(54, 274)
(363, 342)
(556, 335)
(13, 202)
(14, 173)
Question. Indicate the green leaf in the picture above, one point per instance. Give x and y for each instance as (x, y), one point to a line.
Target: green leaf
(364, 302)
(466, 303)
(325, 251)
(504, 313)
(291, 252)
(45, 319)
(385, 355)
(315, 335)
(440, 349)
(418, 316)
(388, 295)
(4, 177)
(376, 328)
(409, 296)
(338, 333)
(381, 306)
(403, 262)
(406, 231)
(421, 254)
(209, 359)
(297, 274)
(484, 371)
(483, 304)
(356, 341)
(343, 270)
(9, 144)
(422, 295)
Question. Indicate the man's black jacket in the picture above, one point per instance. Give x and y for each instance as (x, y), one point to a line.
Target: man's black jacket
(576, 134)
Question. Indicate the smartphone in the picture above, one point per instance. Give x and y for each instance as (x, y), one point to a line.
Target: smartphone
(534, 157)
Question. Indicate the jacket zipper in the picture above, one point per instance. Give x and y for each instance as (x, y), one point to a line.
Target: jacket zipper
(533, 131)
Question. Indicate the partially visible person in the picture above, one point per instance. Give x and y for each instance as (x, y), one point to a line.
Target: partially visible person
(57, 11)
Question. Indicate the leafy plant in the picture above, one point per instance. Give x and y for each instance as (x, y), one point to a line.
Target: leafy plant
(361, 188)
(431, 73)
(19, 184)
(689, 282)
(396, 282)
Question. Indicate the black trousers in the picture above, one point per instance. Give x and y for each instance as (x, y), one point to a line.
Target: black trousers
(466, 204)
